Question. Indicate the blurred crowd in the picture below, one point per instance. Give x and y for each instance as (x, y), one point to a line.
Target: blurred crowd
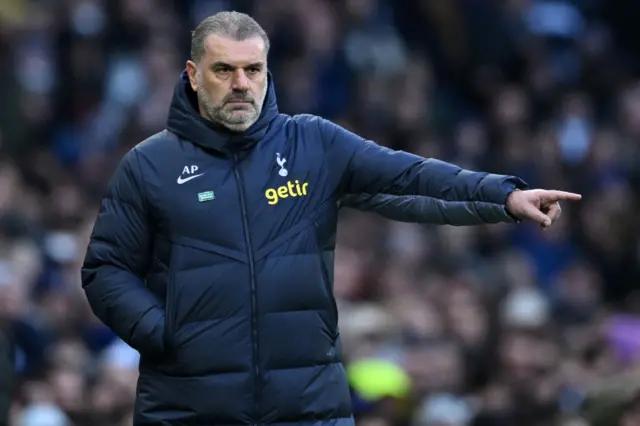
(442, 326)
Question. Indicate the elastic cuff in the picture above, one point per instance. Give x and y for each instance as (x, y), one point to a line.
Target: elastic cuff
(510, 184)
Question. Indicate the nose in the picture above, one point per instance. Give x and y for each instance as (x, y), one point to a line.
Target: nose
(240, 80)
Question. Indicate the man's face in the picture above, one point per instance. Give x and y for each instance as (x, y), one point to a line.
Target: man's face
(231, 81)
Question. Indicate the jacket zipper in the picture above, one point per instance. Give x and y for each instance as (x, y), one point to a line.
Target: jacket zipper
(252, 274)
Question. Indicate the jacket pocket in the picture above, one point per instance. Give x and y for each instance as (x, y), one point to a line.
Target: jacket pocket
(201, 287)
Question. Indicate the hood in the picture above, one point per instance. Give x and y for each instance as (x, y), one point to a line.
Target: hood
(185, 121)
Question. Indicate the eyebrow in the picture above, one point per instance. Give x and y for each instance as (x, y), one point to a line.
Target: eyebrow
(220, 64)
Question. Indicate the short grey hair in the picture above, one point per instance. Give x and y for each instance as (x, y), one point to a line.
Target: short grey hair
(235, 25)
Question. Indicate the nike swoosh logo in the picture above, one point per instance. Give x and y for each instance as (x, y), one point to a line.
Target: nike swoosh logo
(182, 180)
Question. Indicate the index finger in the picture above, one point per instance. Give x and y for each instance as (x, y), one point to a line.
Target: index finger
(563, 195)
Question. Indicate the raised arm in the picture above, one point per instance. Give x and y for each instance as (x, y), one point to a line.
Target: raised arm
(117, 261)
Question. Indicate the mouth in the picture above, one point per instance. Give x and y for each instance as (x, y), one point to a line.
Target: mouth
(239, 102)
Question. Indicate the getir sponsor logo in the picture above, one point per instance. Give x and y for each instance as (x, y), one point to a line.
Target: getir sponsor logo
(291, 189)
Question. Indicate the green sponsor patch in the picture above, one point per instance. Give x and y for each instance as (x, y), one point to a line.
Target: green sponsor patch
(206, 196)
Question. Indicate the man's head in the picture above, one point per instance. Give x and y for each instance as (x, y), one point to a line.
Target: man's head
(228, 69)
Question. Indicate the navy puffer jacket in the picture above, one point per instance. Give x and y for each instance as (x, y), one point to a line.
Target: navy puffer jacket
(212, 256)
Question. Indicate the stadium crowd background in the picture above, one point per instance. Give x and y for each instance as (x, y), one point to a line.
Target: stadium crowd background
(442, 326)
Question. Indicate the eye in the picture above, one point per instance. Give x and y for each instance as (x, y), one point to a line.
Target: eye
(253, 70)
(223, 69)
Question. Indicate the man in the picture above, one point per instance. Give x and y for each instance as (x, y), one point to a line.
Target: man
(210, 251)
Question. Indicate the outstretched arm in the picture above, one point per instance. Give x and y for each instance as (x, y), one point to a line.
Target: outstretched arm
(361, 166)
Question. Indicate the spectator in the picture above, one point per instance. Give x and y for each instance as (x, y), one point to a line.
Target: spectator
(6, 370)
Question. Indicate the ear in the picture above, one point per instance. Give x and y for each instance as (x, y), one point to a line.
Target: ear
(192, 70)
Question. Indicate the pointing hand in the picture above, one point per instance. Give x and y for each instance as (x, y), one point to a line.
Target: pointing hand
(539, 205)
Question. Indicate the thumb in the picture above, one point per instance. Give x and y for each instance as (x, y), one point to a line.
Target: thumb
(537, 216)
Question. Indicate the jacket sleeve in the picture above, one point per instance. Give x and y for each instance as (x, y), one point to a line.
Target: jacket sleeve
(117, 261)
(362, 166)
(418, 209)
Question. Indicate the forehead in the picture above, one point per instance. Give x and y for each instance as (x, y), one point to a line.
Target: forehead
(230, 51)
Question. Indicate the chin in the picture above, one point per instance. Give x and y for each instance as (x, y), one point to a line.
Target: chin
(238, 127)
(239, 124)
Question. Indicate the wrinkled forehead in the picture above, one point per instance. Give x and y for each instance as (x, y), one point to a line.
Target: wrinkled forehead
(234, 52)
